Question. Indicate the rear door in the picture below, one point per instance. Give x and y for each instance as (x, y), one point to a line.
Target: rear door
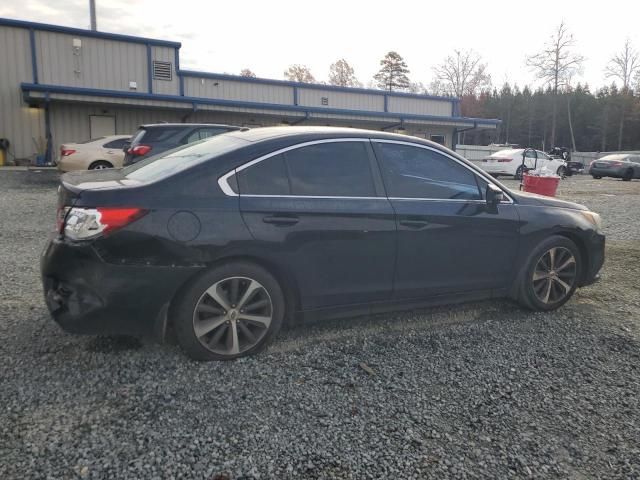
(449, 239)
(319, 211)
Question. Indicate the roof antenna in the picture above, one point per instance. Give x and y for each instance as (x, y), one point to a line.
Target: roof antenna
(92, 14)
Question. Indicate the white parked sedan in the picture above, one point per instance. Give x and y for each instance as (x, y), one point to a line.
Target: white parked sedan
(95, 154)
(509, 162)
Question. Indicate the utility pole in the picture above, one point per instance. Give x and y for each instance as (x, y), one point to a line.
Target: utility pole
(92, 13)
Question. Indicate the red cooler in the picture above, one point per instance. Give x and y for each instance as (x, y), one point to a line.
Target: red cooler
(541, 185)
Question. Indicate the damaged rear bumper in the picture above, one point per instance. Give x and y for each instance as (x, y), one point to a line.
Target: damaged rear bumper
(87, 295)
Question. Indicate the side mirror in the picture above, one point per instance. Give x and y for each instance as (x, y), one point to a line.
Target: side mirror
(493, 195)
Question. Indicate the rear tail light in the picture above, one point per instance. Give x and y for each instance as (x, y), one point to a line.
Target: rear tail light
(139, 150)
(65, 152)
(87, 223)
(60, 216)
(616, 164)
(504, 160)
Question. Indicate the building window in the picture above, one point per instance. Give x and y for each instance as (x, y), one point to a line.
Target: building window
(324, 100)
(438, 139)
(161, 70)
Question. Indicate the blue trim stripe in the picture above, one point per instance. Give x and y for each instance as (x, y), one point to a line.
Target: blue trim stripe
(316, 86)
(149, 70)
(34, 60)
(7, 22)
(26, 87)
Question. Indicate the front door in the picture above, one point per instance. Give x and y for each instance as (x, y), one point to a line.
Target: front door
(449, 240)
(319, 210)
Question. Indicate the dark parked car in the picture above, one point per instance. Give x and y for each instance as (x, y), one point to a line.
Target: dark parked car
(157, 138)
(254, 227)
(618, 165)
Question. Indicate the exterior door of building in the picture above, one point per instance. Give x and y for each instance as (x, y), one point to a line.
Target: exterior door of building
(101, 126)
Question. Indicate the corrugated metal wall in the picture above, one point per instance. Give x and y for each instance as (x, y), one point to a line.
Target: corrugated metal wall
(70, 122)
(419, 106)
(19, 123)
(98, 63)
(237, 90)
(334, 99)
(167, 87)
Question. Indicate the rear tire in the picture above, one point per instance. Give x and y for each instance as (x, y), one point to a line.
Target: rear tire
(209, 318)
(628, 175)
(551, 274)
(596, 177)
(100, 165)
(518, 174)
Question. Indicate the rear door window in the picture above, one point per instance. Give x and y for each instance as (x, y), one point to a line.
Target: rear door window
(415, 172)
(158, 134)
(118, 144)
(202, 133)
(267, 177)
(331, 169)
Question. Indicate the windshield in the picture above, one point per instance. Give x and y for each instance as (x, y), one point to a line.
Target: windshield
(169, 163)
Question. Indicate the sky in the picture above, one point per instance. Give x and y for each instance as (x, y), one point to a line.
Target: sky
(269, 35)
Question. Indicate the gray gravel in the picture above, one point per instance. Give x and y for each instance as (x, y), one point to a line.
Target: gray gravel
(483, 390)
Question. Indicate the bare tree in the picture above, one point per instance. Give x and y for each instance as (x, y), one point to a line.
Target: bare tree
(417, 87)
(624, 66)
(342, 74)
(299, 73)
(245, 72)
(555, 65)
(462, 73)
(393, 73)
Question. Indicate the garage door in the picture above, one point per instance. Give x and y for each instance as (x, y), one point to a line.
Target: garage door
(102, 125)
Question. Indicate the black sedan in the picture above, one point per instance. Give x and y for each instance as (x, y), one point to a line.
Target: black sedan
(224, 240)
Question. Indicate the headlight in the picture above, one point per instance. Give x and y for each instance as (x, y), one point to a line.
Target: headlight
(594, 219)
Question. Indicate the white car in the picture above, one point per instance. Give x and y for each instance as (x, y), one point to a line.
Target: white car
(509, 162)
(95, 154)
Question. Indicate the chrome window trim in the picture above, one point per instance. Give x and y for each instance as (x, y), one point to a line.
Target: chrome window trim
(223, 181)
(330, 197)
(472, 170)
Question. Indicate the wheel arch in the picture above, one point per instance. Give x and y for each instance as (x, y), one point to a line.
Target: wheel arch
(287, 283)
(582, 249)
(99, 161)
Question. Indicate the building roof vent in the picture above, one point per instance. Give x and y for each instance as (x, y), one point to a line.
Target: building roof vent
(161, 70)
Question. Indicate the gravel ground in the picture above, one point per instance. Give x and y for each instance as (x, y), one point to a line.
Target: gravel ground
(482, 390)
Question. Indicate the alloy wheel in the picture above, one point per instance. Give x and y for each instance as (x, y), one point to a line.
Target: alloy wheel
(554, 275)
(233, 315)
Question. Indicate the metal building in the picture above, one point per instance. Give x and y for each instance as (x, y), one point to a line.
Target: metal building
(60, 84)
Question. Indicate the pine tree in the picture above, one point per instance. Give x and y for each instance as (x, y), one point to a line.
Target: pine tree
(393, 73)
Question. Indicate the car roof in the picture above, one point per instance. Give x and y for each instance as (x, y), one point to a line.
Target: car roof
(266, 133)
(615, 156)
(187, 125)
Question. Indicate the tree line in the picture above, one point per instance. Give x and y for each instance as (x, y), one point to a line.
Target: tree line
(559, 112)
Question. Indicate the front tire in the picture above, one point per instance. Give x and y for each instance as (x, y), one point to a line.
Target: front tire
(231, 311)
(551, 274)
(596, 177)
(562, 172)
